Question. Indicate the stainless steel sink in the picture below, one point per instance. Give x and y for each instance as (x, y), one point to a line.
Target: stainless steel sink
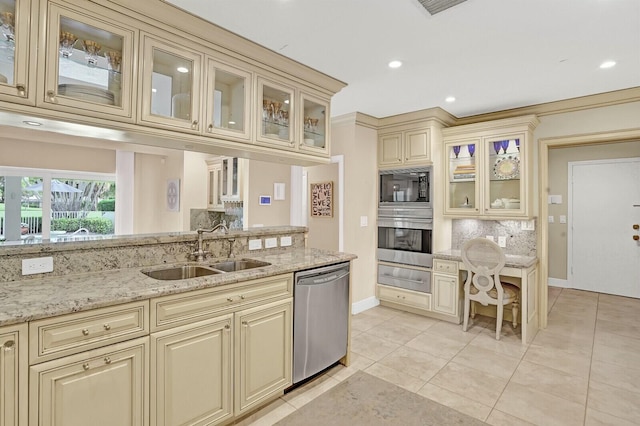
(238, 265)
(180, 272)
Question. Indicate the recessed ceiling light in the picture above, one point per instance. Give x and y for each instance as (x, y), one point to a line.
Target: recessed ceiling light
(450, 99)
(607, 64)
(182, 69)
(395, 64)
(32, 123)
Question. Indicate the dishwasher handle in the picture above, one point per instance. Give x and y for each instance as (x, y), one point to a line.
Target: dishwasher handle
(322, 279)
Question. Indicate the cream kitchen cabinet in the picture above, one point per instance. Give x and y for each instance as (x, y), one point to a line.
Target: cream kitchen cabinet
(214, 186)
(89, 63)
(314, 129)
(18, 31)
(410, 298)
(224, 182)
(276, 109)
(14, 369)
(264, 352)
(404, 148)
(446, 288)
(488, 169)
(191, 373)
(105, 386)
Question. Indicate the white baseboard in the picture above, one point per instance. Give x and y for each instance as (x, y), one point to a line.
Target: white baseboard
(363, 305)
(557, 282)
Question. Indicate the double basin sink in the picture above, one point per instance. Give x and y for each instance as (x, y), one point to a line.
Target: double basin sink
(181, 272)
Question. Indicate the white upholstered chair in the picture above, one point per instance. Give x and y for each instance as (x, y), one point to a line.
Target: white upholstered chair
(484, 261)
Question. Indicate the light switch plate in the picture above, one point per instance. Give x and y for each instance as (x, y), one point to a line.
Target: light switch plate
(37, 265)
(285, 241)
(255, 244)
(502, 241)
(551, 220)
(364, 221)
(563, 218)
(270, 242)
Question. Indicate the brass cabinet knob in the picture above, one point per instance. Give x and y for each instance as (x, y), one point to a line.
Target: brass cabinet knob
(85, 331)
(636, 226)
(22, 89)
(9, 344)
(210, 128)
(85, 365)
(227, 326)
(107, 327)
(245, 323)
(194, 125)
(636, 237)
(51, 95)
(229, 299)
(107, 360)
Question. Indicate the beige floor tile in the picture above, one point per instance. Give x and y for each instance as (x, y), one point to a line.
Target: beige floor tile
(268, 415)
(539, 408)
(383, 312)
(453, 331)
(372, 347)
(364, 322)
(498, 418)
(552, 381)
(616, 375)
(487, 361)
(579, 294)
(619, 301)
(455, 401)
(616, 349)
(508, 334)
(419, 322)
(413, 362)
(572, 363)
(358, 362)
(596, 418)
(571, 329)
(310, 390)
(614, 401)
(574, 315)
(576, 344)
(508, 347)
(620, 314)
(398, 378)
(625, 329)
(479, 386)
(436, 345)
(393, 332)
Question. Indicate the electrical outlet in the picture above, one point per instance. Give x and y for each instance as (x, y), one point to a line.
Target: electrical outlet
(37, 265)
(255, 244)
(490, 238)
(270, 242)
(502, 241)
(528, 225)
(563, 218)
(285, 241)
(364, 221)
(551, 220)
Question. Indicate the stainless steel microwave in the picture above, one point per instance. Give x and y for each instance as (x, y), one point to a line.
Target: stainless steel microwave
(405, 187)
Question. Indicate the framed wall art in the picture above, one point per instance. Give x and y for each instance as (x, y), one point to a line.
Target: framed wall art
(321, 199)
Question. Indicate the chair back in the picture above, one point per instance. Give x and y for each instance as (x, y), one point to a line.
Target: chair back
(484, 260)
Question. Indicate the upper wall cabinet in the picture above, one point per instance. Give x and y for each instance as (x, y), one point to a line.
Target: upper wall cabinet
(171, 85)
(89, 64)
(228, 100)
(314, 128)
(488, 169)
(15, 45)
(277, 114)
(404, 148)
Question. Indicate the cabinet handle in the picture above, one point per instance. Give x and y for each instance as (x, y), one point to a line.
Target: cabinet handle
(636, 237)
(85, 331)
(210, 128)
(8, 345)
(85, 366)
(229, 299)
(107, 327)
(242, 297)
(52, 95)
(636, 226)
(194, 125)
(22, 89)
(227, 327)
(107, 360)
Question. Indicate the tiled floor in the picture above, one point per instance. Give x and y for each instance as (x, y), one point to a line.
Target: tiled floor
(584, 369)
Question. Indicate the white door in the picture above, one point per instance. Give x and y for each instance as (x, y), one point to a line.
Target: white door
(604, 206)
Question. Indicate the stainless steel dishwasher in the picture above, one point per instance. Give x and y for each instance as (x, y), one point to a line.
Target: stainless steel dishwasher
(320, 319)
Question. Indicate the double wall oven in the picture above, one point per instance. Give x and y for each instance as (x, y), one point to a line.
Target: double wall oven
(405, 226)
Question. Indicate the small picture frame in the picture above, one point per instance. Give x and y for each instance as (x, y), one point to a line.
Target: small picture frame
(265, 200)
(321, 204)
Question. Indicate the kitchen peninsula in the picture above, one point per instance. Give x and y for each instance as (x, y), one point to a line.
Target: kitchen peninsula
(98, 325)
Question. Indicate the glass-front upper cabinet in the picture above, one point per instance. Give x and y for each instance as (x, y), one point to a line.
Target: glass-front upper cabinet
(504, 187)
(170, 85)
(89, 64)
(276, 113)
(14, 51)
(462, 176)
(315, 126)
(228, 101)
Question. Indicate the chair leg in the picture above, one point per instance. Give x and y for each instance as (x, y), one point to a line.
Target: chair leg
(515, 307)
(465, 322)
(473, 310)
(499, 321)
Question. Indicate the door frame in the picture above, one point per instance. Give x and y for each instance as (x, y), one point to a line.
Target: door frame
(544, 145)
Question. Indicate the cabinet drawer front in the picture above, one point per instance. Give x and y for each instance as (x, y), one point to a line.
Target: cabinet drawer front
(69, 334)
(176, 310)
(445, 266)
(405, 297)
(406, 278)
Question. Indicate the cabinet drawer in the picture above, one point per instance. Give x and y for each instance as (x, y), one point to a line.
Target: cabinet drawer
(445, 266)
(171, 311)
(69, 334)
(405, 297)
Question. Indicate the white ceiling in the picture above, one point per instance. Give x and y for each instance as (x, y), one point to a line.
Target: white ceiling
(490, 54)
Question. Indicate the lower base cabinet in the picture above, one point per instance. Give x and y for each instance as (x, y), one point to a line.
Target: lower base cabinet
(102, 387)
(445, 294)
(13, 375)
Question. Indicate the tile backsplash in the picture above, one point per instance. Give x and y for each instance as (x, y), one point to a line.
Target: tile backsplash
(519, 242)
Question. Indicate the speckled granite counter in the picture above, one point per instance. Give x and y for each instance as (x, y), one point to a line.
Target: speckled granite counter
(512, 261)
(26, 300)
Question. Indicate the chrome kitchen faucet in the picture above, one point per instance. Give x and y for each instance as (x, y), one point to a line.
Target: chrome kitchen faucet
(201, 254)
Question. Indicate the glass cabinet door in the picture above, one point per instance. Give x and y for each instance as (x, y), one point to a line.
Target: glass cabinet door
(276, 112)
(503, 169)
(89, 64)
(228, 101)
(171, 85)
(462, 174)
(14, 50)
(315, 125)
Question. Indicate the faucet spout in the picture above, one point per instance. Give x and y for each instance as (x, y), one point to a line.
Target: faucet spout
(200, 253)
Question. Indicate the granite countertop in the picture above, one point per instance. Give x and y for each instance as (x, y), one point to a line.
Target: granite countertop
(512, 260)
(27, 300)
